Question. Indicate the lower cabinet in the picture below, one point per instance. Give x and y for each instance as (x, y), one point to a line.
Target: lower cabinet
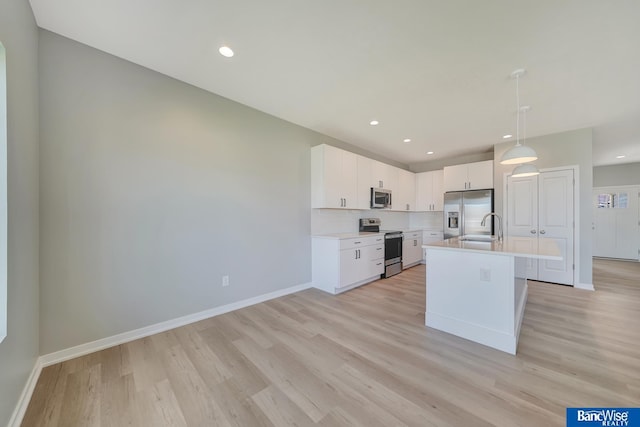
(412, 249)
(342, 264)
(429, 236)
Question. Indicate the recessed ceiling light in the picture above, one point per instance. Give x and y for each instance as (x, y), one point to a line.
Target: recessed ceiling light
(507, 136)
(407, 140)
(374, 122)
(429, 152)
(622, 156)
(226, 51)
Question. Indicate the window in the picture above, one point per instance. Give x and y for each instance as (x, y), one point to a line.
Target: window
(613, 200)
(3, 194)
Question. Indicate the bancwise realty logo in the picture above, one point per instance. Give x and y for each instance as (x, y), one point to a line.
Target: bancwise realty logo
(607, 417)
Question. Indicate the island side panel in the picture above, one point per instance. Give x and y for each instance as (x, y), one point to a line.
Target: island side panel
(472, 295)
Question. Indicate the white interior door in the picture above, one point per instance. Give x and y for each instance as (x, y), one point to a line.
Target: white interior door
(616, 218)
(522, 214)
(542, 206)
(556, 221)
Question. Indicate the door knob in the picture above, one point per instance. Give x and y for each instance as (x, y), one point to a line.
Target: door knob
(533, 231)
(542, 232)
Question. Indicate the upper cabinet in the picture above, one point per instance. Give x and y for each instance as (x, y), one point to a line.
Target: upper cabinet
(469, 176)
(404, 198)
(334, 178)
(365, 182)
(429, 191)
(384, 175)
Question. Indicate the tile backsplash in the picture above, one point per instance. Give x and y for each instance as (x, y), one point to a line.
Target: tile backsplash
(326, 221)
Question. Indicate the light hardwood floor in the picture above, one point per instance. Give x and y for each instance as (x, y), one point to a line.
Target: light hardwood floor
(363, 358)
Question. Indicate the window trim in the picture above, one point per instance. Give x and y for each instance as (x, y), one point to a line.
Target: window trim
(3, 194)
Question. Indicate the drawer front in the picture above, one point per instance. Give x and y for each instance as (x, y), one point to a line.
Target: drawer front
(377, 267)
(377, 252)
(412, 235)
(361, 241)
(432, 236)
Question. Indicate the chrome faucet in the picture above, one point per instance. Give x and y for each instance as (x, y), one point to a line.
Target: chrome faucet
(499, 223)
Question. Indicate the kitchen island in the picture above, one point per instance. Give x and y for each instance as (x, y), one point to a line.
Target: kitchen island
(477, 289)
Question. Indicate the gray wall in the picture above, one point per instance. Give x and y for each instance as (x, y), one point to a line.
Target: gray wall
(152, 190)
(626, 174)
(19, 350)
(561, 149)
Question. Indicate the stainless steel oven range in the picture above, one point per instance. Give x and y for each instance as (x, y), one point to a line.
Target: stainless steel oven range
(392, 245)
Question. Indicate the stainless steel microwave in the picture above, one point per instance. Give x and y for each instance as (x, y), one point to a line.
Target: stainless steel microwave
(380, 198)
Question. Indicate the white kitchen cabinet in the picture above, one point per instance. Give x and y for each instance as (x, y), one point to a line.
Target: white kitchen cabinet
(469, 176)
(411, 249)
(334, 178)
(430, 236)
(384, 175)
(404, 198)
(429, 191)
(365, 182)
(341, 264)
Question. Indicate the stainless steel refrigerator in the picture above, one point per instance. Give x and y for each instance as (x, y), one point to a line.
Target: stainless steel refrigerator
(464, 210)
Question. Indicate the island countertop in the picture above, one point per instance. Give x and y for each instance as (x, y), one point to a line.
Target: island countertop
(527, 247)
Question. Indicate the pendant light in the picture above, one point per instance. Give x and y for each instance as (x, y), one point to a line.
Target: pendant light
(519, 153)
(528, 169)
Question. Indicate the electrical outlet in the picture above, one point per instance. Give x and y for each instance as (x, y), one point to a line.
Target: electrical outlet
(485, 274)
(225, 280)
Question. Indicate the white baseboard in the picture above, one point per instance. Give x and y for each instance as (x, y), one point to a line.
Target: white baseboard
(473, 332)
(585, 286)
(101, 344)
(25, 397)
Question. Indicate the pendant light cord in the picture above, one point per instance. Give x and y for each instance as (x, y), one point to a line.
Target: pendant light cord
(524, 125)
(518, 110)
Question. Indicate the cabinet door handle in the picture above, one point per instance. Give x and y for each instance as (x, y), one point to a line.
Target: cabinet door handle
(542, 232)
(407, 206)
(533, 231)
(379, 263)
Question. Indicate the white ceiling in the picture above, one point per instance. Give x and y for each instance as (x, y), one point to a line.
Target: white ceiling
(433, 71)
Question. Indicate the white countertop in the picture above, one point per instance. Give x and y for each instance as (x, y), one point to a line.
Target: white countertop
(340, 236)
(355, 234)
(527, 247)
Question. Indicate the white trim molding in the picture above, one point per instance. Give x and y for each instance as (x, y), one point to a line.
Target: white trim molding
(101, 344)
(585, 286)
(25, 397)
